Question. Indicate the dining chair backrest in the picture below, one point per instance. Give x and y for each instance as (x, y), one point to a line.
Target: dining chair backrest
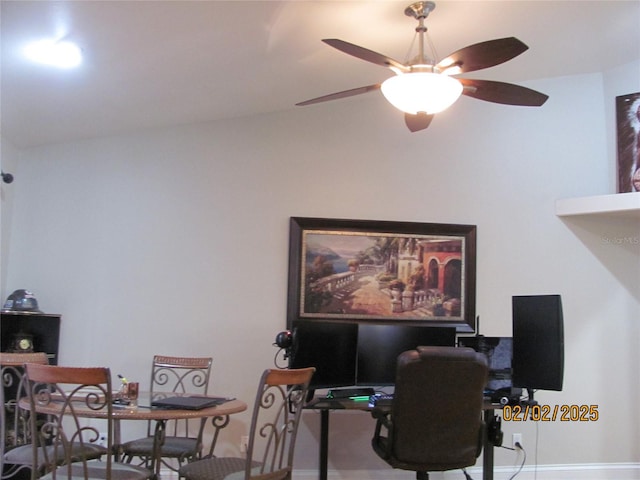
(13, 420)
(68, 390)
(274, 423)
(179, 375)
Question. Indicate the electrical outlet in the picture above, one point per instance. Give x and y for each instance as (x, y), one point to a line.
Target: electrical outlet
(244, 443)
(102, 439)
(517, 438)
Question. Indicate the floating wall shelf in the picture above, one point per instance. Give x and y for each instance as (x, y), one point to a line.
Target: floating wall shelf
(619, 204)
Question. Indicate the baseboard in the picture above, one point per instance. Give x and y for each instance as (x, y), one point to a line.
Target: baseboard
(604, 471)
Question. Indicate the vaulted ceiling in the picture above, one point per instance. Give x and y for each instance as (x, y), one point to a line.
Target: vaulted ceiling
(160, 63)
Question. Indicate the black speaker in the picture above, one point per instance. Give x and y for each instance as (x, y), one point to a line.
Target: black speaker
(538, 342)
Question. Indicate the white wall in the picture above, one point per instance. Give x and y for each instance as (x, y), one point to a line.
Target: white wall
(175, 242)
(8, 160)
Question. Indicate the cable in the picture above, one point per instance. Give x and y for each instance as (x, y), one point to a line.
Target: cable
(275, 358)
(432, 47)
(524, 459)
(466, 475)
(535, 458)
(407, 57)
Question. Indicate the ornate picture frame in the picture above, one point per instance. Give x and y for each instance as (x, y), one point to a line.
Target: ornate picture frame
(382, 272)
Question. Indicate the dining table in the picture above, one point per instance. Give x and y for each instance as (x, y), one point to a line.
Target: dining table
(143, 410)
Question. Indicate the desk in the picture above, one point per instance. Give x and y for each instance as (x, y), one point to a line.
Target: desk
(219, 417)
(326, 406)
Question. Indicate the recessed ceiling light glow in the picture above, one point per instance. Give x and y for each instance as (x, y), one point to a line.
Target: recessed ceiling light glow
(61, 54)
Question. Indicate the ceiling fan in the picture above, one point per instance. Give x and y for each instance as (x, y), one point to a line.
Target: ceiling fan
(423, 87)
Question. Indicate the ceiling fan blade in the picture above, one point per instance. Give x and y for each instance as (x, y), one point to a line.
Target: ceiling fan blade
(483, 55)
(366, 54)
(500, 92)
(338, 95)
(417, 122)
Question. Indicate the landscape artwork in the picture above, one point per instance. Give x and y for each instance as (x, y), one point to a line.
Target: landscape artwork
(381, 276)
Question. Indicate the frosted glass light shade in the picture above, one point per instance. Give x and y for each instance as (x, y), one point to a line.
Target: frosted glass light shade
(59, 54)
(421, 92)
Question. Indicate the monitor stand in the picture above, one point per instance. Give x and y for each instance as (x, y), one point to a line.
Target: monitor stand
(530, 400)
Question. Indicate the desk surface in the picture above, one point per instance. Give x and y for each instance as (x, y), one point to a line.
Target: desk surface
(323, 403)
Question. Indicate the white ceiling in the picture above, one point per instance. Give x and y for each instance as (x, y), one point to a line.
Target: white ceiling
(159, 63)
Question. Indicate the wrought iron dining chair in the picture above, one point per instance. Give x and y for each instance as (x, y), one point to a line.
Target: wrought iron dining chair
(272, 434)
(15, 443)
(17, 451)
(435, 420)
(183, 438)
(67, 434)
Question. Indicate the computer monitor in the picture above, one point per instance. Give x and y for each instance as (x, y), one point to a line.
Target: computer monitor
(499, 351)
(538, 342)
(357, 354)
(380, 345)
(330, 348)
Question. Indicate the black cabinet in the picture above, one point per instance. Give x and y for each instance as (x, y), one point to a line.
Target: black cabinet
(42, 328)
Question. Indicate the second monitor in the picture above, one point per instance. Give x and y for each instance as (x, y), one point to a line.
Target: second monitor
(380, 345)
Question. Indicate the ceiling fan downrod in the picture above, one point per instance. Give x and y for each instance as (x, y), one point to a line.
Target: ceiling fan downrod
(420, 11)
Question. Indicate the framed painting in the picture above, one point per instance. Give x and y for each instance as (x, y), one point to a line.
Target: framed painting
(628, 131)
(382, 272)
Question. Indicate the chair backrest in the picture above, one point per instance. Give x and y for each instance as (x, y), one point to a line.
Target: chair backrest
(14, 421)
(68, 390)
(274, 424)
(437, 408)
(180, 375)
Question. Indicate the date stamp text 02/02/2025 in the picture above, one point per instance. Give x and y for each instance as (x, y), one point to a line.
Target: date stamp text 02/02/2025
(550, 413)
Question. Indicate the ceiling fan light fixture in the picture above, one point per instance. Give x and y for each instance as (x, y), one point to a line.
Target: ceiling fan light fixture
(421, 92)
(421, 87)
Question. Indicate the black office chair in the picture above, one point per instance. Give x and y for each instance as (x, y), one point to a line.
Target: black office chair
(434, 422)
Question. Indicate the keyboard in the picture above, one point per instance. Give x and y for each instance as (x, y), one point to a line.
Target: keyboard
(380, 399)
(345, 393)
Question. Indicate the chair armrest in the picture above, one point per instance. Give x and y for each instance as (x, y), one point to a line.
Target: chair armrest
(381, 411)
(383, 417)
